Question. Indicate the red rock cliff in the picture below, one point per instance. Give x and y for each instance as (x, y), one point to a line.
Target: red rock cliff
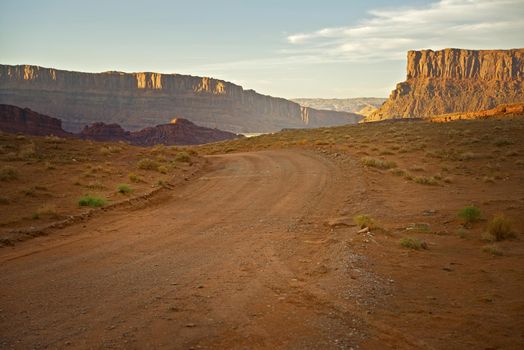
(25, 121)
(456, 80)
(138, 100)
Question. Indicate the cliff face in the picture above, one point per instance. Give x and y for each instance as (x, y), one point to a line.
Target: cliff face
(179, 132)
(455, 80)
(138, 100)
(18, 120)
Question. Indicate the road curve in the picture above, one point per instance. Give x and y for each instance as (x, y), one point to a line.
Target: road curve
(219, 264)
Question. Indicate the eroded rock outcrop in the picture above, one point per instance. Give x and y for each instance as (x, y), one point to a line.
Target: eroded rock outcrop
(23, 120)
(455, 80)
(179, 132)
(138, 100)
(502, 111)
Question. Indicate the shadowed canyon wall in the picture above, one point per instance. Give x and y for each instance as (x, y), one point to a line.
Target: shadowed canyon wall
(456, 80)
(138, 100)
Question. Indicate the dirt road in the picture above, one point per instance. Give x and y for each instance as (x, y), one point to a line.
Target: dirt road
(233, 260)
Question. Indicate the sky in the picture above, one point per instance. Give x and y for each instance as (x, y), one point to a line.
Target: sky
(285, 48)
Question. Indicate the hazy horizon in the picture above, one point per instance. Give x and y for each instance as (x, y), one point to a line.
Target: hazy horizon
(296, 49)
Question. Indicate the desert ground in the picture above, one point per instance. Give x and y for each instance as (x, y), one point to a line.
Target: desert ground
(370, 236)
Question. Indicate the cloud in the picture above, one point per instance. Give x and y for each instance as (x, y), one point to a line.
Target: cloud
(388, 34)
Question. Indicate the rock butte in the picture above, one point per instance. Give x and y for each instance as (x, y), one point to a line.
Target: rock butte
(138, 100)
(455, 80)
(179, 132)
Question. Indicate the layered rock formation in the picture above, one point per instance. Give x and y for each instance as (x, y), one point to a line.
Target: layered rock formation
(359, 105)
(138, 100)
(179, 132)
(17, 120)
(455, 80)
(503, 111)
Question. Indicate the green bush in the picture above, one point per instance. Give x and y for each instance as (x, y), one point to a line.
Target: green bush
(124, 189)
(8, 173)
(363, 221)
(500, 228)
(470, 214)
(91, 201)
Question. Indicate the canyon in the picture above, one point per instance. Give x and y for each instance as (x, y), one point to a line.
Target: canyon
(139, 100)
(455, 80)
(360, 105)
(178, 132)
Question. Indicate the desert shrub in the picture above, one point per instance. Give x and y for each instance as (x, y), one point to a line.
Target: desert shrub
(378, 163)
(488, 179)
(182, 157)
(147, 164)
(124, 189)
(91, 201)
(47, 210)
(134, 177)
(418, 227)
(470, 214)
(54, 139)
(417, 168)
(461, 232)
(500, 227)
(27, 151)
(49, 166)
(423, 180)
(413, 243)
(492, 249)
(502, 142)
(363, 221)
(8, 173)
(161, 183)
(162, 169)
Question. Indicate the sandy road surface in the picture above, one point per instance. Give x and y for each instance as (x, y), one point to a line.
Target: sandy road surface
(231, 260)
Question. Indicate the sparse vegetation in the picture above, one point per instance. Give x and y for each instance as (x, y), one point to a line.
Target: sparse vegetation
(8, 173)
(134, 178)
(500, 228)
(413, 243)
(461, 232)
(148, 164)
(91, 201)
(470, 214)
(183, 157)
(378, 163)
(48, 210)
(364, 221)
(418, 227)
(492, 249)
(124, 189)
(424, 180)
